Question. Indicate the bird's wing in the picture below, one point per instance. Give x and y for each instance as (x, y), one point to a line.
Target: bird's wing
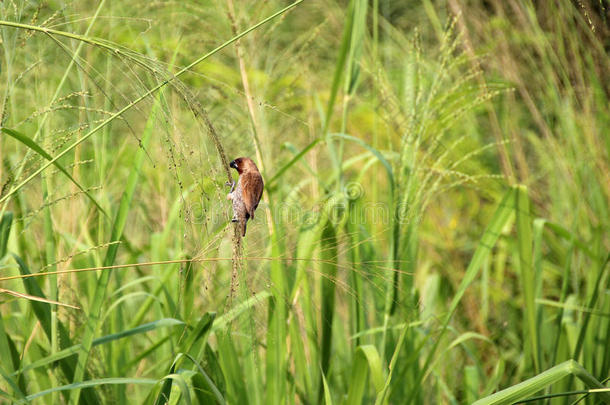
(252, 190)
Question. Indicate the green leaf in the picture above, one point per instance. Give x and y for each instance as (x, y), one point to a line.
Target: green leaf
(5, 231)
(204, 383)
(356, 41)
(166, 388)
(592, 302)
(205, 390)
(328, 400)
(471, 383)
(382, 396)
(525, 248)
(339, 67)
(366, 360)
(328, 257)
(541, 381)
(9, 380)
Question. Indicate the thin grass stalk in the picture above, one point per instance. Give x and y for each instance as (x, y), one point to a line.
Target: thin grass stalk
(358, 298)
(565, 283)
(50, 249)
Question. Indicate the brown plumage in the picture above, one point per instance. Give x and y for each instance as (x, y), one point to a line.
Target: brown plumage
(248, 192)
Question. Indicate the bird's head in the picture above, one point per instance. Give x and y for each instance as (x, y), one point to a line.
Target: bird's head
(243, 164)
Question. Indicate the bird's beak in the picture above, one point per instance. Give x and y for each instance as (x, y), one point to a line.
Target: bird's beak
(233, 164)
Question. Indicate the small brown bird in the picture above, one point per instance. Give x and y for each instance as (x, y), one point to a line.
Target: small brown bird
(248, 192)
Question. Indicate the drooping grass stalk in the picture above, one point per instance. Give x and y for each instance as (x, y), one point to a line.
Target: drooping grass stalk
(134, 102)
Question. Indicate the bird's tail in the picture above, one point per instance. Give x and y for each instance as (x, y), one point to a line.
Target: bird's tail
(243, 228)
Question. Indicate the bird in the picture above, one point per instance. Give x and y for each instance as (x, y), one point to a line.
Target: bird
(247, 194)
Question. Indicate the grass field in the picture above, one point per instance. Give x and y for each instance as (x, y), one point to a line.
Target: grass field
(435, 227)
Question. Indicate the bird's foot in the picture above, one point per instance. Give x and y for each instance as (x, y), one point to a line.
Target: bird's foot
(232, 184)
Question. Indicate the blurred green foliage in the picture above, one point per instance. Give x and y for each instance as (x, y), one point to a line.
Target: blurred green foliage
(434, 227)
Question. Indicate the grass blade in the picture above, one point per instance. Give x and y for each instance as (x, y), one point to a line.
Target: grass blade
(591, 305)
(328, 255)
(5, 231)
(366, 361)
(328, 400)
(541, 381)
(525, 246)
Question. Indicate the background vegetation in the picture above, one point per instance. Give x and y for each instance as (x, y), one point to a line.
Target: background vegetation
(434, 227)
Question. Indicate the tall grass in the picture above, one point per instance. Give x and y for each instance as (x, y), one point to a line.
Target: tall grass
(434, 227)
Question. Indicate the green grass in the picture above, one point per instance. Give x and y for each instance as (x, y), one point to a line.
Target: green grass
(434, 227)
